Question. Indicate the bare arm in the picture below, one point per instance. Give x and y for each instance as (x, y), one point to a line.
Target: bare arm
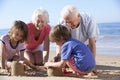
(46, 49)
(58, 54)
(58, 50)
(92, 46)
(2, 55)
(21, 54)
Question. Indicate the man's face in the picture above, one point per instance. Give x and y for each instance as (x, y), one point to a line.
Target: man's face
(71, 21)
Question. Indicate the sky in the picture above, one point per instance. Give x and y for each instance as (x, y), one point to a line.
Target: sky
(102, 10)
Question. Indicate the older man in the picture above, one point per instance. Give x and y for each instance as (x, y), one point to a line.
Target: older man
(81, 26)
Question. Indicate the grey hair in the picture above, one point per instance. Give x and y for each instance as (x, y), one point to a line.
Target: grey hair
(69, 9)
(41, 12)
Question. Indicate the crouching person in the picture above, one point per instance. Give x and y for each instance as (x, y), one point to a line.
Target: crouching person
(73, 52)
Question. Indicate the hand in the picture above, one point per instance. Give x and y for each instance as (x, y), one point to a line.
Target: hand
(41, 68)
(56, 58)
(3, 70)
(16, 58)
(47, 64)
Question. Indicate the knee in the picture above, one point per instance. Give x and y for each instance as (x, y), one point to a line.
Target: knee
(40, 62)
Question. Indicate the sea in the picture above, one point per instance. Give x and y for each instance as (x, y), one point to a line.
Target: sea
(108, 41)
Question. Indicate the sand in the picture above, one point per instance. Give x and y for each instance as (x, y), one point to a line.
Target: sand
(107, 65)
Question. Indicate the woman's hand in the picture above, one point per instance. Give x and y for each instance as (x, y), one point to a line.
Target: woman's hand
(47, 64)
(3, 71)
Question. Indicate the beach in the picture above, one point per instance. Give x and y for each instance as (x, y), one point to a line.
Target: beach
(107, 58)
(108, 67)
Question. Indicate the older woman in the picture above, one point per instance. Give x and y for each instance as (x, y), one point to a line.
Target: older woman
(37, 46)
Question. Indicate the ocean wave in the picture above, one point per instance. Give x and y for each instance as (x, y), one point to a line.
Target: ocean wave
(108, 42)
(108, 47)
(109, 37)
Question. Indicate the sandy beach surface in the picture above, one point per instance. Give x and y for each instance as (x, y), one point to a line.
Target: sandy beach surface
(108, 67)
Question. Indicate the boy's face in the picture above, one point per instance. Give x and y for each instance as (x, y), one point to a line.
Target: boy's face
(17, 35)
(59, 43)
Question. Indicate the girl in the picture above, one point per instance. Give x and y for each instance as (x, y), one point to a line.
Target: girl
(73, 52)
(11, 44)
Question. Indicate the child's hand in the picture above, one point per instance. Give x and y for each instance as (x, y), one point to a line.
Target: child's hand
(56, 58)
(16, 58)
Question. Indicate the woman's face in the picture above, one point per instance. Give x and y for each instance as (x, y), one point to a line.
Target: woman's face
(17, 35)
(40, 22)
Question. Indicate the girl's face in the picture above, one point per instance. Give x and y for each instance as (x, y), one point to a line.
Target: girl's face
(17, 35)
(40, 22)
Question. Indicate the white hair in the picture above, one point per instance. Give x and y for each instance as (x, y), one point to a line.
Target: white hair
(41, 12)
(69, 9)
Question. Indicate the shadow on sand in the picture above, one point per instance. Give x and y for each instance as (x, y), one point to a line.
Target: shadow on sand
(104, 72)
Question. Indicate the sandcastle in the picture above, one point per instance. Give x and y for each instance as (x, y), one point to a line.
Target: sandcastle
(52, 71)
(17, 69)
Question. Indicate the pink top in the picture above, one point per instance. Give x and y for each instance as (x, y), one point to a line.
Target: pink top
(10, 50)
(32, 43)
